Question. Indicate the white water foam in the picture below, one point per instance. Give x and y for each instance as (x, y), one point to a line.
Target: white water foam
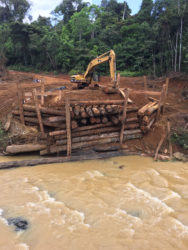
(23, 246)
(141, 193)
(93, 174)
(180, 229)
(120, 213)
(153, 171)
(26, 179)
(64, 215)
(2, 218)
(172, 195)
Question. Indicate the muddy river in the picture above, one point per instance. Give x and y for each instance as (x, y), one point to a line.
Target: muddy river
(120, 203)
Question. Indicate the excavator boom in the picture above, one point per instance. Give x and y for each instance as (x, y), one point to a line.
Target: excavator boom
(87, 77)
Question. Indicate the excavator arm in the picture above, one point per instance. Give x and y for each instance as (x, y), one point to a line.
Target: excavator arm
(87, 77)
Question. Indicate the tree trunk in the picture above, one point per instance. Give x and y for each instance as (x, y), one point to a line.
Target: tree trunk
(180, 51)
(123, 17)
(16, 149)
(176, 52)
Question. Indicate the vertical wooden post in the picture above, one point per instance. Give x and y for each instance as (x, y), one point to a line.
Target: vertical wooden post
(42, 92)
(169, 141)
(68, 125)
(20, 103)
(145, 85)
(38, 110)
(159, 146)
(60, 95)
(161, 101)
(167, 83)
(118, 81)
(124, 115)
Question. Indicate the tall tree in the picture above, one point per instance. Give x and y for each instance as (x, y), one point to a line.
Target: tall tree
(145, 12)
(13, 10)
(68, 7)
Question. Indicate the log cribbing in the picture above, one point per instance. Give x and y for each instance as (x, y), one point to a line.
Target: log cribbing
(20, 103)
(42, 92)
(16, 149)
(44, 110)
(45, 123)
(96, 102)
(152, 109)
(97, 131)
(161, 101)
(38, 111)
(87, 138)
(94, 127)
(88, 132)
(68, 125)
(56, 119)
(153, 99)
(124, 116)
(105, 133)
(117, 83)
(129, 134)
(62, 132)
(143, 110)
(31, 114)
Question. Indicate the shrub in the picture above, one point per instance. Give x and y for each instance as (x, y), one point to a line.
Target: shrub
(127, 73)
(3, 137)
(180, 138)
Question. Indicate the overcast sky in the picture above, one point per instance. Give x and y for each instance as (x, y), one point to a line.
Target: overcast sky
(44, 7)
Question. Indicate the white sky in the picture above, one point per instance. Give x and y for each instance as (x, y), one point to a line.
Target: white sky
(44, 7)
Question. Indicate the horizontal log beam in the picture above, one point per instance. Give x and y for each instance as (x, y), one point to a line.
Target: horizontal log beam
(127, 135)
(30, 114)
(52, 160)
(96, 102)
(45, 122)
(51, 111)
(16, 149)
(56, 119)
(94, 137)
(98, 131)
(62, 132)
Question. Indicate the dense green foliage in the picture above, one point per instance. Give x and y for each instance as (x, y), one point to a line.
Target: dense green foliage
(154, 41)
(180, 138)
(4, 137)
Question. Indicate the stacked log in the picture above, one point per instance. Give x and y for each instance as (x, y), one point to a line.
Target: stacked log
(81, 115)
(89, 138)
(96, 114)
(147, 115)
(92, 123)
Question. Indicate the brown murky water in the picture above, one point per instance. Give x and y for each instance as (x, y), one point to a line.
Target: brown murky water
(120, 203)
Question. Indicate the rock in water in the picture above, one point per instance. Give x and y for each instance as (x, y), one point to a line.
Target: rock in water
(179, 156)
(19, 223)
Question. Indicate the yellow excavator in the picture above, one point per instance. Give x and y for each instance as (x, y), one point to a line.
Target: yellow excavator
(87, 78)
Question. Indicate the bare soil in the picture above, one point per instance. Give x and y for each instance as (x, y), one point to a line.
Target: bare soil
(176, 107)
